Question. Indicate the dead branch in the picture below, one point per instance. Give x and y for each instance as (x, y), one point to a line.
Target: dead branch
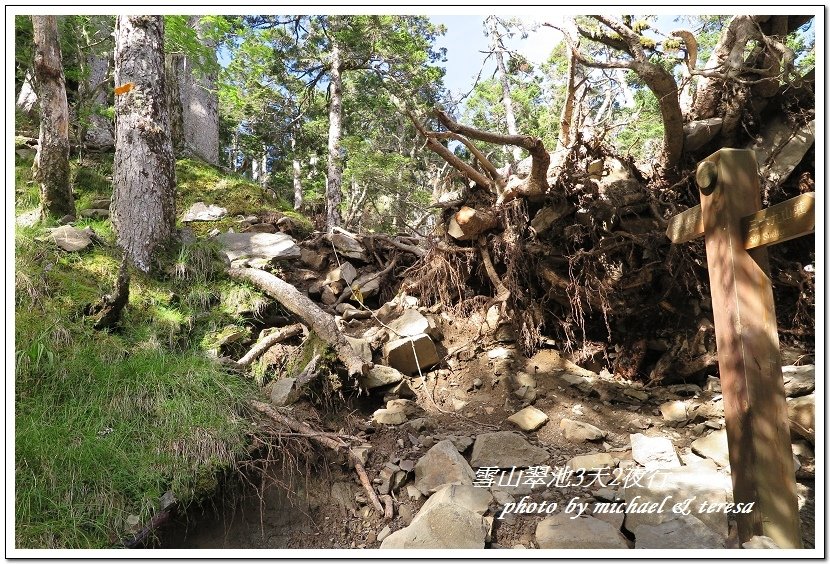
(502, 293)
(417, 251)
(318, 320)
(263, 345)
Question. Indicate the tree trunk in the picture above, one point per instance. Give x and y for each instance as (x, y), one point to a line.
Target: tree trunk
(507, 100)
(144, 207)
(99, 129)
(200, 103)
(335, 168)
(296, 172)
(174, 70)
(53, 147)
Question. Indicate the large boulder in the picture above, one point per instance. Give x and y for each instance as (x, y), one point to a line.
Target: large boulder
(698, 483)
(653, 452)
(505, 449)
(561, 531)
(380, 375)
(799, 380)
(446, 523)
(714, 446)
(411, 353)
(268, 246)
(681, 532)
(203, 212)
(440, 466)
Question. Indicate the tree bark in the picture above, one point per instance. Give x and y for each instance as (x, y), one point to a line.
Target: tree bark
(144, 207)
(200, 102)
(296, 175)
(335, 168)
(99, 129)
(53, 148)
(297, 303)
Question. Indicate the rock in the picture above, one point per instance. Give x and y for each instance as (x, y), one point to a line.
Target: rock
(442, 465)
(505, 449)
(367, 285)
(698, 133)
(580, 431)
(653, 452)
(345, 272)
(409, 324)
(229, 334)
(261, 228)
(691, 459)
(385, 532)
(95, 213)
(386, 417)
(681, 532)
(413, 493)
(28, 218)
(613, 519)
(590, 462)
(133, 523)
(697, 483)
(475, 499)
(500, 352)
(545, 217)
(203, 212)
(529, 419)
(362, 348)
(362, 452)
(347, 245)
(713, 446)
(799, 380)
(354, 313)
(713, 385)
(443, 525)
(802, 415)
(477, 383)
(760, 541)
(380, 375)
(461, 443)
(397, 411)
(502, 497)
(674, 411)
(312, 258)
(636, 394)
(284, 392)
(524, 379)
(560, 531)
(399, 353)
(342, 493)
(406, 513)
(70, 238)
(270, 246)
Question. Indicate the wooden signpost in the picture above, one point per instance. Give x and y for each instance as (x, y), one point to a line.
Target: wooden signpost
(737, 231)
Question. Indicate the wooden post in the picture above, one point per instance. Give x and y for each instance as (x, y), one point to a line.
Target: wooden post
(760, 452)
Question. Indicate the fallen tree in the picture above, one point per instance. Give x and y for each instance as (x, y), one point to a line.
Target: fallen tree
(300, 305)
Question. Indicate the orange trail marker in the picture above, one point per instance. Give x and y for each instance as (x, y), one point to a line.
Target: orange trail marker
(124, 88)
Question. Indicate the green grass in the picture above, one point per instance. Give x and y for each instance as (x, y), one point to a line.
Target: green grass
(106, 422)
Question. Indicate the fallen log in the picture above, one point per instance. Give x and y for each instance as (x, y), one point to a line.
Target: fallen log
(324, 440)
(318, 320)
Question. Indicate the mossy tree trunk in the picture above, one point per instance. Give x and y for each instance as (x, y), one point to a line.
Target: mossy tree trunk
(143, 208)
(53, 147)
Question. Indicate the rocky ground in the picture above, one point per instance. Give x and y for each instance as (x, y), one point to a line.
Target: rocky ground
(484, 448)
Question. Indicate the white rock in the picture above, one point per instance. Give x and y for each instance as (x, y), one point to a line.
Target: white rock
(442, 465)
(409, 353)
(560, 531)
(714, 446)
(270, 246)
(505, 449)
(681, 532)
(529, 419)
(203, 212)
(580, 431)
(409, 324)
(653, 452)
(380, 375)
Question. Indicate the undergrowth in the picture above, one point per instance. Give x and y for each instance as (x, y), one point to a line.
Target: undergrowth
(107, 422)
